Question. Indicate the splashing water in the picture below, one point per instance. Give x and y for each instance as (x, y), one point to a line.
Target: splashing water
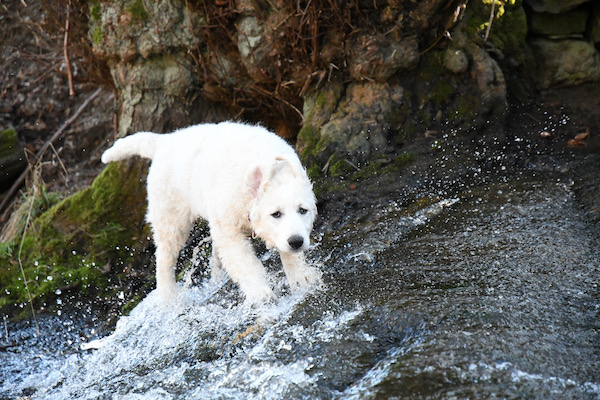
(491, 293)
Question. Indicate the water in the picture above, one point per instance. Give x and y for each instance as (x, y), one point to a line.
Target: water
(491, 292)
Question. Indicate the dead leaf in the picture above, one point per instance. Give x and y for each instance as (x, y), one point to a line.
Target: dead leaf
(580, 139)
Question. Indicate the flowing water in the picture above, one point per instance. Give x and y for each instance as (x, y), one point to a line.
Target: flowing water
(491, 292)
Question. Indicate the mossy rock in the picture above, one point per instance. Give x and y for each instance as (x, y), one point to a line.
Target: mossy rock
(508, 30)
(137, 10)
(79, 243)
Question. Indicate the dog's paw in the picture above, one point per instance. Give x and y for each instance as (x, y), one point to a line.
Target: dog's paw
(169, 293)
(304, 277)
(258, 293)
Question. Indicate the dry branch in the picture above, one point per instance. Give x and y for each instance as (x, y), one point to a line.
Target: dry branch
(66, 51)
(41, 152)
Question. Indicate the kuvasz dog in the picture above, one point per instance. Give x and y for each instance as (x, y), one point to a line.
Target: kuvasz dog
(245, 181)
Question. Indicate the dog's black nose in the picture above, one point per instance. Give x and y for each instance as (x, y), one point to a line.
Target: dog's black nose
(296, 242)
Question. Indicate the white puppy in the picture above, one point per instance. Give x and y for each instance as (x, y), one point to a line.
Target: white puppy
(244, 180)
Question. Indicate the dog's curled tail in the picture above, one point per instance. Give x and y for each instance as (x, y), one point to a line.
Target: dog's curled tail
(141, 144)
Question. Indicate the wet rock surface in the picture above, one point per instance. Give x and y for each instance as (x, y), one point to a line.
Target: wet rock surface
(470, 273)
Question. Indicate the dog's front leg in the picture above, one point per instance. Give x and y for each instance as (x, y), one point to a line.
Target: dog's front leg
(216, 267)
(299, 274)
(237, 257)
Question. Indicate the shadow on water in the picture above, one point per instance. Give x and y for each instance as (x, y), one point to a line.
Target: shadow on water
(485, 290)
(506, 282)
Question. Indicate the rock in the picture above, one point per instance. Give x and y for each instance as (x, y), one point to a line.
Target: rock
(12, 157)
(568, 23)
(126, 28)
(252, 45)
(141, 106)
(553, 6)
(565, 62)
(594, 24)
(490, 80)
(147, 47)
(508, 32)
(79, 239)
(456, 61)
(359, 127)
(375, 57)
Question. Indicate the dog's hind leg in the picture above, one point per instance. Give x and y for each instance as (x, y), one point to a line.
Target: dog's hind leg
(237, 256)
(171, 229)
(168, 243)
(298, 273)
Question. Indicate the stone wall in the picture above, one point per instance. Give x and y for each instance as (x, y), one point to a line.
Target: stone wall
(565, 36)
(356, 85)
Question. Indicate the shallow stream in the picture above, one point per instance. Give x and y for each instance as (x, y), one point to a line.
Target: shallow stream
(491, 292)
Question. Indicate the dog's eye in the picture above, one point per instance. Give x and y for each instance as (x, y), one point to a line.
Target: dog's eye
(302, 210)
(276, 214)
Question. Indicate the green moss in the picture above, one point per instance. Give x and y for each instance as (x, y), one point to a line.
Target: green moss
(97, 36)
(322, 99)
(430, 66)
(8, 139)
(467, 108)
(95, 22)
(137, 10)
(95, 10)
(312, 149)
(339, 166)
(346, 174)
(307, 139)
(509, 26)
(442, 92)
(69, 245)
(385, 166)
(510, 32)
(434, 82)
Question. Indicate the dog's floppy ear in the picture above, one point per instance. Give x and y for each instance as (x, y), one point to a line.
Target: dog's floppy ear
(263, 173)
(287, 161)
(255, 179)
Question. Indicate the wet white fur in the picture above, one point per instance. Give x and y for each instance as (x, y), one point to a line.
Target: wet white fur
(237, 177)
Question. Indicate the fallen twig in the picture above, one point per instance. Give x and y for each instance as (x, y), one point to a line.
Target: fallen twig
(32, 200)
(66, 51)
(40, 153)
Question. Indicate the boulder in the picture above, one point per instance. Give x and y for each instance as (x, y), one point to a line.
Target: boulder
(553, 6)
(491, 83)
(456, 61)
(568, 23)
(594, 25)
(350, 126)
(375, 57)
(126, 29)
(147, 46)
(12, 157)
(253, 46)
(565, 62)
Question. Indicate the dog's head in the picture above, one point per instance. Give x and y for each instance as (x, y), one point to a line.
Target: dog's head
(283, 206)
